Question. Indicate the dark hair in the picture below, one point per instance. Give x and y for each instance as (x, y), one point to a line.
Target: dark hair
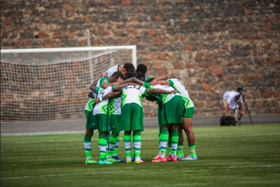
(117, 75)
(239, 88)
(129, 75)
(151, 79)
(142, 68)
(129, 67)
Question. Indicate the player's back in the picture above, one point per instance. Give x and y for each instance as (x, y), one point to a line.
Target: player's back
(133, 94)
(180, 87)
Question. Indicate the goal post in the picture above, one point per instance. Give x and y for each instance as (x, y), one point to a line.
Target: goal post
(44, 84)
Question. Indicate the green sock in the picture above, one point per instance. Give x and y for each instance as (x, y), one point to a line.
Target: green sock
(116, 146)
(127, 145)
(87, 146)
(159, 148)
(174, 141)
(192, 149)
(169, 146)
(137, 144)
(180, 150)
(163, 142)
(102, 147)
(112, 144)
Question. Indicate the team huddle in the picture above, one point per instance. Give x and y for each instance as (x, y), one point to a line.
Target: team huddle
(115, 105)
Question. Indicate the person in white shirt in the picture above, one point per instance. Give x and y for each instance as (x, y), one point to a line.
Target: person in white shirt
(233, 103)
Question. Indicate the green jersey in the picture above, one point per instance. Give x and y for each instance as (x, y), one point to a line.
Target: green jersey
(90, 104)
(180, 87)
(164, 97)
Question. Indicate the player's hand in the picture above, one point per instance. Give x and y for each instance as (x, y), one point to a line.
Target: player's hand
(153, 82)
(174, 91)
(90, 95)
(97, 101)
(242, 112)
(228, 114)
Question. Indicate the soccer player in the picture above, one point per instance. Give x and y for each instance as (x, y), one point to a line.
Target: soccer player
(127, 67)
(100, 118)
(132, 116)
(140, 73)
(189, 109)
(170, 117)
(89, 128)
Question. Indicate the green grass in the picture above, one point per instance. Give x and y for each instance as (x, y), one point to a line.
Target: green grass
(228, 156)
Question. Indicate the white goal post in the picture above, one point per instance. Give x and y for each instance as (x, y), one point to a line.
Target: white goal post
(43, 84)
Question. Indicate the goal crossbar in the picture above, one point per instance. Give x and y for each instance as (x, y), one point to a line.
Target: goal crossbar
(75, 49)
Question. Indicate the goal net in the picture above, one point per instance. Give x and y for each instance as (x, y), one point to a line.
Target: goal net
(53, 84)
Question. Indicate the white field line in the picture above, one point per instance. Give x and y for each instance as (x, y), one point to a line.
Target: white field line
(41, 133)
(120, 171)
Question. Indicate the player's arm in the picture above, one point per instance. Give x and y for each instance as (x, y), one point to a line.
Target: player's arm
(151, 91)
(107, 96)
(121, 86)
(106, 85)
(163, 82)
(93, 85)
(90, 95)
(163, 77)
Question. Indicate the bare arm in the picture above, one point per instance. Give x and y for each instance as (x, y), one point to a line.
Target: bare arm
(133, 79)
(121, 86)
(163, 82)
(106, 85)
(107, 96)
(160, 91)
(163, 77)
(93, 85)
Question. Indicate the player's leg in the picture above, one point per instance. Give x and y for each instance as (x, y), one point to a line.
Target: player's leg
(187, 125)
(174, 142)
(137, 140)
(174, 112)
(101, 121)
(159, 124)
(126, 126)
(163, 142)
(102, 142)
(127, 145)
(87, 138)
(180, 154)
(137, 127)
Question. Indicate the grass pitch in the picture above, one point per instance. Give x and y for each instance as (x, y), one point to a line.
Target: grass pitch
(228, 156)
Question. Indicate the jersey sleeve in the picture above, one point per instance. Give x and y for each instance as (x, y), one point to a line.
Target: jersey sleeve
(96, 90)
(103, 80)
(171, 82)
(147, 85)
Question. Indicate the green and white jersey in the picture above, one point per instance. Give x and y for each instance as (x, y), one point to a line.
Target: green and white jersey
(114, 105)
(101, 81)
(111, 70)
(180, 87)
(164, 97)
(102, 107)
(90, 104)
(133, 94)
(99, 84)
